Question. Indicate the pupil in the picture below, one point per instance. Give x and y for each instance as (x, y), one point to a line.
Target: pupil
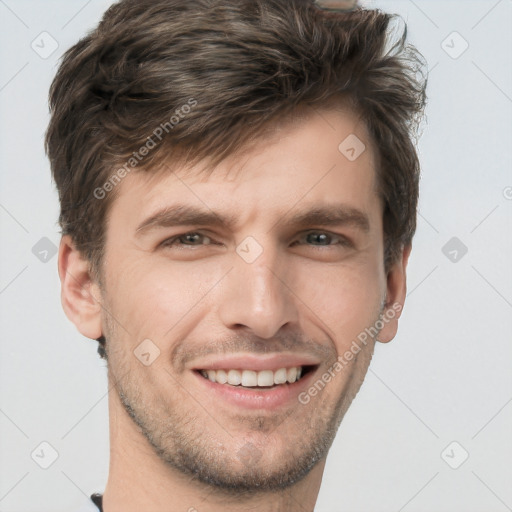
(322, 238)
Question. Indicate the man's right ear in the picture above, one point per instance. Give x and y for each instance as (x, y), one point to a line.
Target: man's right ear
(80, 294)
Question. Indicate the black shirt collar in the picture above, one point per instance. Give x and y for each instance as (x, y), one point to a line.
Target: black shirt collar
(97, 499)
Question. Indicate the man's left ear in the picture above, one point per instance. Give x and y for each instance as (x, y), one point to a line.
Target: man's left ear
(395, 296)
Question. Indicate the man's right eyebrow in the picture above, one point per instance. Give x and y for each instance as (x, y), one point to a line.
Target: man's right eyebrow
(182, 215)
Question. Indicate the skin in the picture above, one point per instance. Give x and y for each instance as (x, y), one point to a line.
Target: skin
(306, 295)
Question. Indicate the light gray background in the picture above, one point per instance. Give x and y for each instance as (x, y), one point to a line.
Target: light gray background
(446, 377)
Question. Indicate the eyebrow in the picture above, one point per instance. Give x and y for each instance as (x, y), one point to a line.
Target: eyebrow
(325, 215)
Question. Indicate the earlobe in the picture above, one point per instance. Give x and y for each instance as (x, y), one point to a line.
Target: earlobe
(80, 294)
(395, 296)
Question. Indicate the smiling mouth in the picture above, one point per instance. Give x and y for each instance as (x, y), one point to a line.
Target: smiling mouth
(257, 379)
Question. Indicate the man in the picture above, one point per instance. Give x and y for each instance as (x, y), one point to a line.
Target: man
(238, 188)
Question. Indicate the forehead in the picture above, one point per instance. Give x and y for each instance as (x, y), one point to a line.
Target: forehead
(324, 156)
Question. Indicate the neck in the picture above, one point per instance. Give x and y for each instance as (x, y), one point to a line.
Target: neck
(140, 480)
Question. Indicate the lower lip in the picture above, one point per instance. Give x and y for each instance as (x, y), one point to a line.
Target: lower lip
(254, 398)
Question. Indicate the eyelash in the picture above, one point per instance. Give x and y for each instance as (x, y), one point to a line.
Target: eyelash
(344, 242)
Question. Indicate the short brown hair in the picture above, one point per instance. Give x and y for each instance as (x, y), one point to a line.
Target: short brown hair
(224, 69)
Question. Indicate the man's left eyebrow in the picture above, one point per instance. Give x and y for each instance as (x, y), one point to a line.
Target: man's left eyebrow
(332, 215)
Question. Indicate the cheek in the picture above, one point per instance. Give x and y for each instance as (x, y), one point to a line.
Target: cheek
(344, 299)
(155, 298)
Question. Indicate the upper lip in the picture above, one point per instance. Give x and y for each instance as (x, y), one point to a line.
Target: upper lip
(256, 362)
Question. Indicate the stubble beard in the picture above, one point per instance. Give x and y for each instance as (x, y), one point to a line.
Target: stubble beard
(186, 444)
(194, 452)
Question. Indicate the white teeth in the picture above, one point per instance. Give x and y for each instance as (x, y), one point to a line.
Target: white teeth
(221, 376)
(234, 377)
(266, 378)
(291, 374)
(280, 376)
(250, 378)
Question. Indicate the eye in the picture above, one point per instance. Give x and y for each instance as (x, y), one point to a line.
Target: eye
(324, 239)
(191, 239)
(317, 239)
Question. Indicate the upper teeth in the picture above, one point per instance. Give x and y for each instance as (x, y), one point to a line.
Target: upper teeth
(250, 378)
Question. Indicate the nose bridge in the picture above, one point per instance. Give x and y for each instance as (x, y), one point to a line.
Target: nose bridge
(255, 292)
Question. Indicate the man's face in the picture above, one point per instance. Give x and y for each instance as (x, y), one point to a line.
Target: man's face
(243, 300)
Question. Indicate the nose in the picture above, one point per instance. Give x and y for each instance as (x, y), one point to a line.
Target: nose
(256, 296)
